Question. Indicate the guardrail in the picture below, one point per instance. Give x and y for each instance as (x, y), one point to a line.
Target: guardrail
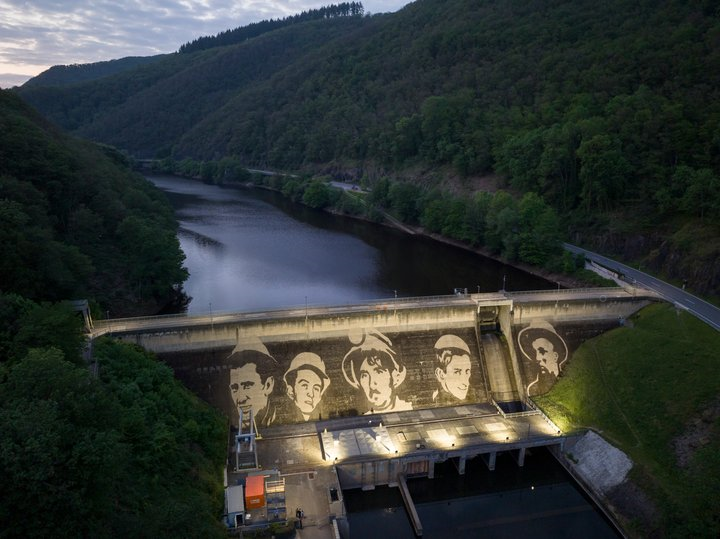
(556, 291)
(531, 404)
(459, 298)
(313, 308)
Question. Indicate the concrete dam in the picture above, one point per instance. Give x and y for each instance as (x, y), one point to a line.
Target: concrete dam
(381, 357)
(378, 393)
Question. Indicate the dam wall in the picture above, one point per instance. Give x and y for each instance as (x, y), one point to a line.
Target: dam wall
(311, 364)
(280, 326)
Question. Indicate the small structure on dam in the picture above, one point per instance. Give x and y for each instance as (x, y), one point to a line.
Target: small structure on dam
(377, 393)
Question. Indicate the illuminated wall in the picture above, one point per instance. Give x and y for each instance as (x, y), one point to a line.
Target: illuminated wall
(366, 371)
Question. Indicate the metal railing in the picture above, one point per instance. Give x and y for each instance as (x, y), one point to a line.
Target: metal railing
(364, 304)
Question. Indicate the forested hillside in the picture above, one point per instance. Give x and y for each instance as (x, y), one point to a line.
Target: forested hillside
(75, 222)
(63, 75)
(117, 447)
(243, 33)
(608, 111)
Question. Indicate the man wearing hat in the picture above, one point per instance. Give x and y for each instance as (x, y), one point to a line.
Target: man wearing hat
(452, 370)
(252, 382)
(545, 354)
(371, 366)
(305, 384)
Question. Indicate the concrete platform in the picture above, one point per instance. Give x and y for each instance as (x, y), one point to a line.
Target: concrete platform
(366, 451)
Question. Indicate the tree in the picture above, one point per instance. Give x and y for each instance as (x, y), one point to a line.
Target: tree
(404, 198)
(518, 157)
(603, 172)
(380, 193)
(502, 225)
(316, 194)
(558, 164)
(702, 195)
(539, 236)
(59, 449)
(408, 137)
(56, 325)
(155, 259)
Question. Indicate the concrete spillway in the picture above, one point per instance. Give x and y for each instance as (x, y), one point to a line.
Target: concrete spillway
(499, 371)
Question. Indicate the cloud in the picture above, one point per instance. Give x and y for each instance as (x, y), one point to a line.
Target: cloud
(39, 34)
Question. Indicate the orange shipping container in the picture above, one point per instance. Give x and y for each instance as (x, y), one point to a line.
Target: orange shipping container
(254, 491)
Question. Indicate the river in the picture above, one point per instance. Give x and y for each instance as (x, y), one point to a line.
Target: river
(251, 249)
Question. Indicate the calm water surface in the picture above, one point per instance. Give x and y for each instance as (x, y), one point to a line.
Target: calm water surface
(537, 501)
(251, 249)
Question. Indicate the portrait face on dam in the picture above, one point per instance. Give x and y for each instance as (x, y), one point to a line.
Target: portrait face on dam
(293, 378)
(305, 384)
(544, 353)
(252, 382)
(453, 370)
(375, 371)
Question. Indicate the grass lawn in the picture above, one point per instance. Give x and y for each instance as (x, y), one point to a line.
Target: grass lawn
(642, 387)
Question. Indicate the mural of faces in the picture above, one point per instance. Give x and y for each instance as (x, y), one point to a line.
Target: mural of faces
(453, 369)
(365, 371)
(306, 382)
(544, 353)
(283, 381)
(252, 382)
(372, 367)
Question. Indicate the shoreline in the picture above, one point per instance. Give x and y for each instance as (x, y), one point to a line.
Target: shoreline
(564, 281)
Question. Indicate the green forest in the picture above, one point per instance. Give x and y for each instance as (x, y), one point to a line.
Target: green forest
(77, 223)
(609, 112)
(117, 447)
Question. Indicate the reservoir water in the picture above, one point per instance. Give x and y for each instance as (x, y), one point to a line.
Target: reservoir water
(251, 249)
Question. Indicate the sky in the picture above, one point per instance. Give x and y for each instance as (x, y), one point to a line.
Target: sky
(38, 34)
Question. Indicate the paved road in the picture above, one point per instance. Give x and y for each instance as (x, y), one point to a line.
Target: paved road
(349, 187)
(700, 308)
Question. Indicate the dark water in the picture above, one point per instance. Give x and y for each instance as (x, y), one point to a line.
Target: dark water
(250, 249)
(537, 501)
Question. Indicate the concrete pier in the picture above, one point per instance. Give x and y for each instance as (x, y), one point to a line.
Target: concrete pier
(410, 506)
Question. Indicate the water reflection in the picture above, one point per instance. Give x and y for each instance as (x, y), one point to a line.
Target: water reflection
(249, 249)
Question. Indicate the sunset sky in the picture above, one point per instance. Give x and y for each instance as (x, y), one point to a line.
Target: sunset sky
(37, 34)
